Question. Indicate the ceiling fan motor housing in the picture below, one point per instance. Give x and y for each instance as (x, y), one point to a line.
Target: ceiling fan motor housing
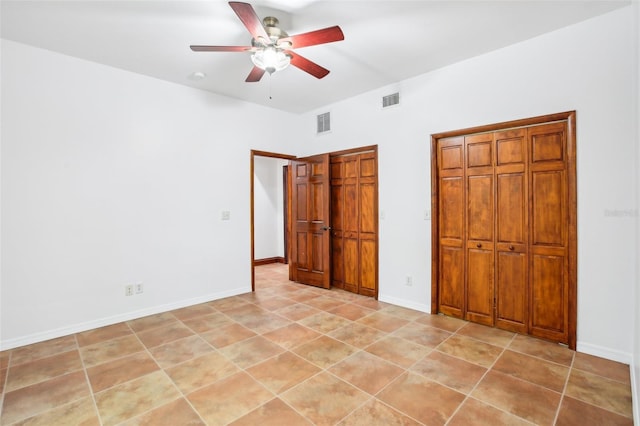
(275, 33)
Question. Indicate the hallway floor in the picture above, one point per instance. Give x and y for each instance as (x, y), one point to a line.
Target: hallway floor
(289, 354)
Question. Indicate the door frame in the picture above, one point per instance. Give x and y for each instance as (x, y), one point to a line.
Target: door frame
(570, 118)
(259, 153)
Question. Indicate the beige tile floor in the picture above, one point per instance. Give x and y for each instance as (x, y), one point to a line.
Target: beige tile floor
(289, 354)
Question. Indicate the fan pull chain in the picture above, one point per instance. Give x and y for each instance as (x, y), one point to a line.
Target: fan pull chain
(270, 98)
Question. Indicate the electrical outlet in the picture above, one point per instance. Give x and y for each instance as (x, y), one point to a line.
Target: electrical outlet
(139, 288)
(128, 290)
(225, 215)
(408, 281)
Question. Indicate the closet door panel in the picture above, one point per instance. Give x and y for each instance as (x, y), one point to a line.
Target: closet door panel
(548, 208)
(367, 266)
(480, 264)
(480, 285)
(511, 250)
(367, 208)
(351, 266)
(451, 256)
(367, 232)
(452, 207)
(511, 231)
(549, 228)
(451, 294)
(480, 208)
(354, 179)
(480, 218)
(548, 297)
(337, 265)
(337, 214)
(511, 291)
(511, 209)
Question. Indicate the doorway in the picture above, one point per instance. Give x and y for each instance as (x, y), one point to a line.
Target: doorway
(260, 230)
(344, 238)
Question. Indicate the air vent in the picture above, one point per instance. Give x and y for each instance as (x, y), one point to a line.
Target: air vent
(324, 122)
(390, 100)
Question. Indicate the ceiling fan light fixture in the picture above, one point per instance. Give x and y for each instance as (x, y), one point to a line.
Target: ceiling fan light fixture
(271, 59)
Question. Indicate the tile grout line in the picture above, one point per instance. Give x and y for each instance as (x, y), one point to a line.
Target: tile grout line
(86, 376)
(564, 389)
(4, 385)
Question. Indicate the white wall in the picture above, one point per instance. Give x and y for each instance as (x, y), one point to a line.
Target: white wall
(587, 67)
(112, 178)
(268, 207)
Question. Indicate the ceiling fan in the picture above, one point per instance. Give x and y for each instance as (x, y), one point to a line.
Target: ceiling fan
(272, 48)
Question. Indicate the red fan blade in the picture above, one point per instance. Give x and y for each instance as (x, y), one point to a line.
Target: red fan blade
(327, 35)
(306, 65)
(255, 75)
(221, 48)
(250, 19)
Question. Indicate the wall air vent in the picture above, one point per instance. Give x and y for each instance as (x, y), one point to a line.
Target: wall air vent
(390, 100)
(324, 123)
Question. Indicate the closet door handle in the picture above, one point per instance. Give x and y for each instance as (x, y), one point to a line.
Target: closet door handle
(479, 245)
(511, 248)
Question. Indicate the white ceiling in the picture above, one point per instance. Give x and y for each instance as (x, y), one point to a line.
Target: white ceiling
(385, 41)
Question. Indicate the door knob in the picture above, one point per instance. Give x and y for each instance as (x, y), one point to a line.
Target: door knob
(479, 245)
(326, 228)
(511, 248)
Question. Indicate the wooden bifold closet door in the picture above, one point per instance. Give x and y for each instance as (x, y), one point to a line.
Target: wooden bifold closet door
(504, 226)
(354, 213)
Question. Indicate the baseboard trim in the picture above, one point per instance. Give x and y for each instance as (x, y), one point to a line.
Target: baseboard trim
(268, 260)
(603, 352)
(102, 322)
(404, 303)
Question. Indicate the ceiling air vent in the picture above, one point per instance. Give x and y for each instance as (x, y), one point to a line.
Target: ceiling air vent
(390, 100)
(324, 123)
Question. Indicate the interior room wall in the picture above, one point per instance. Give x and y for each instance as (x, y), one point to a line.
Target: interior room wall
(268, 207)
(109, 179)
(587, 67)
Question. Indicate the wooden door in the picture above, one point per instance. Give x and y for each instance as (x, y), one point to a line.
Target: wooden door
(511, 230)
(451, 256)
(368, 223)
(548, 245)
(354, 223)
(504, 206)
(310, 261)
(479, 215)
